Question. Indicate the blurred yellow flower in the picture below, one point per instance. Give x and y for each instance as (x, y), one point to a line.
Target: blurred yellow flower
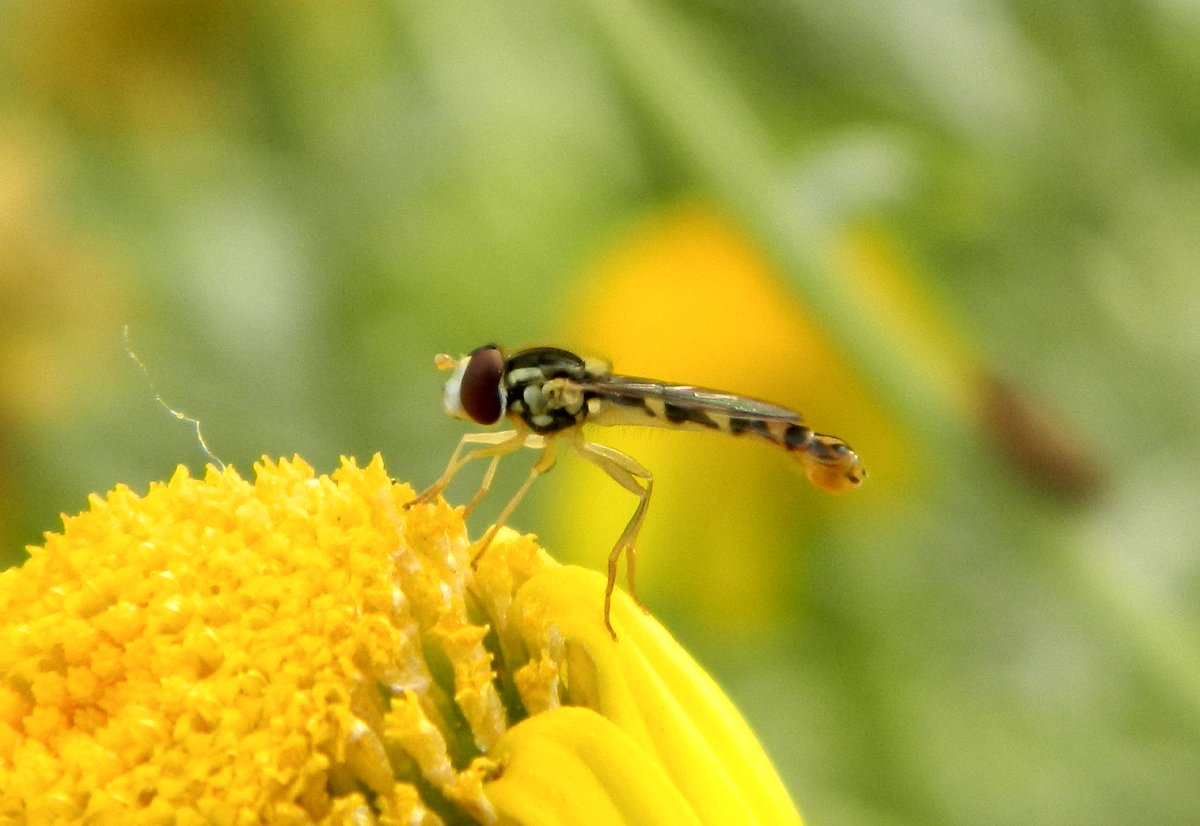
(688, 296)
(303, 649)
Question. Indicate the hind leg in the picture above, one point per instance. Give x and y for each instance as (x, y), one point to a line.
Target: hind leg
(639, 481)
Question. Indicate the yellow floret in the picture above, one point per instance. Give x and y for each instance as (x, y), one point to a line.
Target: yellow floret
(302, 648)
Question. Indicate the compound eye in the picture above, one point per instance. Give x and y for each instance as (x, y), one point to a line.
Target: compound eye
(480, 393)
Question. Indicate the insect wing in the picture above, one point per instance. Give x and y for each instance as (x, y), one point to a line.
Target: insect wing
(685, 402)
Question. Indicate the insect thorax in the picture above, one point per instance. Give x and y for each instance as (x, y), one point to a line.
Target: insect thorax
(542, 388)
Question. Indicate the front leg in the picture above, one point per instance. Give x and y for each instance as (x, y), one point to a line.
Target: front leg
(498, 445)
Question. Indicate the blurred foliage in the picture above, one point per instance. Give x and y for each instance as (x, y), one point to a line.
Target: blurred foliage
(961, 235)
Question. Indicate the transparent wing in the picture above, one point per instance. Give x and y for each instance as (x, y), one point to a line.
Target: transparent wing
(685, 399)
(828, 462)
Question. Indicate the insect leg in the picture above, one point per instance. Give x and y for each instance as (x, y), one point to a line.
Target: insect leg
(543, 464)
(498, 445)
(637, 480)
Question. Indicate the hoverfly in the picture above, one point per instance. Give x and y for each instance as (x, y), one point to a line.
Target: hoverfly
(547, 393)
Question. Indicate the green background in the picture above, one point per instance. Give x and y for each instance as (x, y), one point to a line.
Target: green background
(294, 206)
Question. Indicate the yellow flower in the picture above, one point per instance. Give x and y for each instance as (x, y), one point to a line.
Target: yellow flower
(303, 649)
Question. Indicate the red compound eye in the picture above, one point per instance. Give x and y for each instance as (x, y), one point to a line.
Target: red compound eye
(480, 393)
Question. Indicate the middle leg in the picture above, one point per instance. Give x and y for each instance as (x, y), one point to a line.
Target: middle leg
(543, 464)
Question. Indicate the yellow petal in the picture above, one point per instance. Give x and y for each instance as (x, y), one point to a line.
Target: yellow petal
(650, 688)
(572, 766)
